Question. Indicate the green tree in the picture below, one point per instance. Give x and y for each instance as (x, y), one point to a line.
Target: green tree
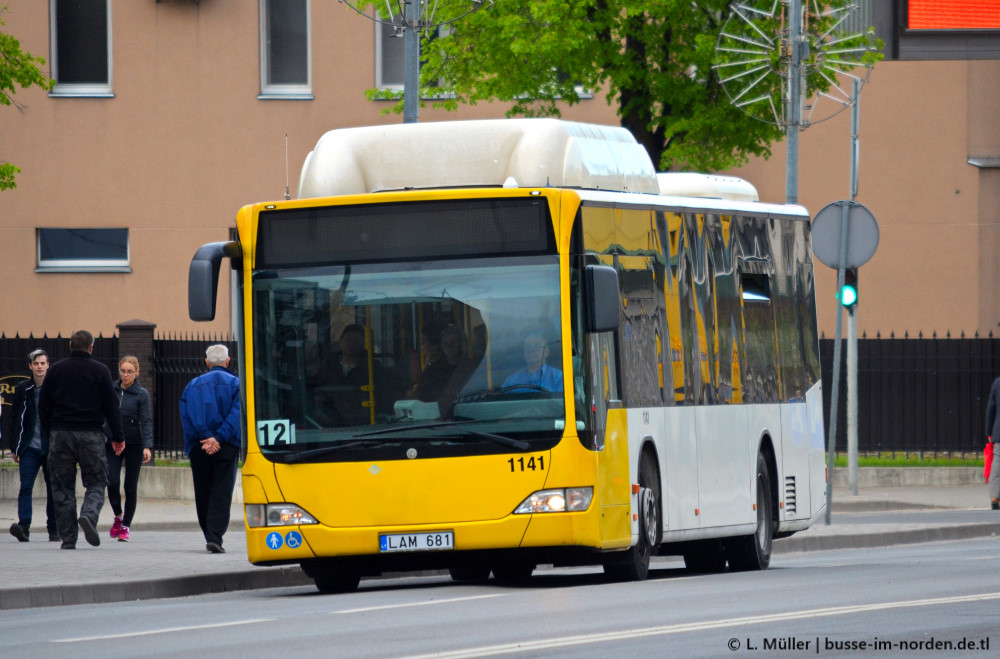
(17, 67)
(654, 59)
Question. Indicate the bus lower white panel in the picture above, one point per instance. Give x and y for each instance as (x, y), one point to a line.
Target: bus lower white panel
(817, 449)
(679, 468)
(794, 486)
(708, 533)
(725, 470)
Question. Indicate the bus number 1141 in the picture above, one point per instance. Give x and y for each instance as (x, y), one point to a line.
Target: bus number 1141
(519, 464)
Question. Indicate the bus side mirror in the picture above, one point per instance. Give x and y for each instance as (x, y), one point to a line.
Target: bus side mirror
(203, 278)
(603, 303)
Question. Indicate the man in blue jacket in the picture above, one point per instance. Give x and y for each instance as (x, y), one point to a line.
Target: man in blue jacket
(210, 414)
(30, 447)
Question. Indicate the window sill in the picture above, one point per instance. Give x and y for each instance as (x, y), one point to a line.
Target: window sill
(83, 268)
(81, 94)
(285, 97)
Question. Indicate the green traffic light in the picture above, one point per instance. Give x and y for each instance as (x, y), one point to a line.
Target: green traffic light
(848, 295)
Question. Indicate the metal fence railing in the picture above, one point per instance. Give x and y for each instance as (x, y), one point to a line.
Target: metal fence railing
(917, 395)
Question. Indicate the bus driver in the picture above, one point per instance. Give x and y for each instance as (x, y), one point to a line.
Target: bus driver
(536, 374)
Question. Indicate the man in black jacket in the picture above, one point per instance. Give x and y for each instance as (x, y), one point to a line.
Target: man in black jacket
(30, 447)
(77, 398)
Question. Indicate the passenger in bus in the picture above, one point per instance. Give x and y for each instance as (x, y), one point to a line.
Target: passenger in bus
(429, 353)
(536, 374)
(436, 377)
(341, 398)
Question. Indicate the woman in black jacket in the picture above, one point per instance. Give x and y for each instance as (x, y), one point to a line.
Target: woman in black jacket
(137, 425)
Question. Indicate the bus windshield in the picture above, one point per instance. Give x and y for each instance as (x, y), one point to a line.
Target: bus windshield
(456, 356)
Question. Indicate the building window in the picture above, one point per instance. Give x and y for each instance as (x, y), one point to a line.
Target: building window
(285, 55)
(390, 56)
(389, 49)
(83, 250)
(81, 47)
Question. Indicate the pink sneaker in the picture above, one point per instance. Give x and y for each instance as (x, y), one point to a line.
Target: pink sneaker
(123, 535)
(116, 528)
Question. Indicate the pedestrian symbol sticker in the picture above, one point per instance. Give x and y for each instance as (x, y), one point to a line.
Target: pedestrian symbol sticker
(274, 540)
(293, 539)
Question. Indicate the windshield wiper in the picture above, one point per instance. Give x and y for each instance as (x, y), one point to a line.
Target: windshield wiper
(419, 426)
(292, 458)
(499, 439)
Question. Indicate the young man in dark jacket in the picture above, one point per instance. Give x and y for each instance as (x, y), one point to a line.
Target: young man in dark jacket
(210, 414)
(30, 446)
(78, 397)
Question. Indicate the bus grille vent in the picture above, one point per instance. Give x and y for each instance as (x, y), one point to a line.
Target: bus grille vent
(789, 494)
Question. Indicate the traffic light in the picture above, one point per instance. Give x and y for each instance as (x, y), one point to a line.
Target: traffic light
(849, 293)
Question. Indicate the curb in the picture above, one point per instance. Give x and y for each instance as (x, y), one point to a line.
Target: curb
(103, 593)
(881, 506)
(797, 544)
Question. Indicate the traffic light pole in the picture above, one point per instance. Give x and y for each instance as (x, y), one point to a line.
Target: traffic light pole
(852, 397)
(852, 318)
(835, 385)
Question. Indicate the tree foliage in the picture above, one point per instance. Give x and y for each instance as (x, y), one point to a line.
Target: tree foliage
(17, 67)
(653, 59)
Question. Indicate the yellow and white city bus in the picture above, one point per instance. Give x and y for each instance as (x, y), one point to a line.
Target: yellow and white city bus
(483, 346)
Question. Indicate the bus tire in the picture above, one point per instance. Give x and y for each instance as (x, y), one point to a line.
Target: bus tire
(470, 574)
(513, 572)
(753, 552)
(338, 581)
(633, 565)
(705, 557)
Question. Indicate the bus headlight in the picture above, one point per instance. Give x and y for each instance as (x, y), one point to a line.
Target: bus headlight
(277, 514)
(570, 499)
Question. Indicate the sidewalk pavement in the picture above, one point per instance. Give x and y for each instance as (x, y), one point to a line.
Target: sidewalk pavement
(166, 556)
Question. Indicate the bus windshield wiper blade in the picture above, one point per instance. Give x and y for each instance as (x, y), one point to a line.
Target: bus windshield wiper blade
(292, 458)
(500, 439)
(418, 426)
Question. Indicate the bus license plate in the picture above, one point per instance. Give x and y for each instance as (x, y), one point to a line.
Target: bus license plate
(434, 541)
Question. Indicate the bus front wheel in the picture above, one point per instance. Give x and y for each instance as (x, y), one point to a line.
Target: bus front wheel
(338, 581)
(633, 565)
(470, 573)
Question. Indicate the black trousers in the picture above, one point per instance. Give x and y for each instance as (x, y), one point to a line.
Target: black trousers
(131, 458)
(214, 479)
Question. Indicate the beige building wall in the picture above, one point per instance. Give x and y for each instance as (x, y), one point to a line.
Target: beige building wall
(185, 142)
(180, 148)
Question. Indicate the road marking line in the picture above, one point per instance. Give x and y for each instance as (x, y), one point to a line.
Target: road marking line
(566, 641)
(403, 606)
(165, 630)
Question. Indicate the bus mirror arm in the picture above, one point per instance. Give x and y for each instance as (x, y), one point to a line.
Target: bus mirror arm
(603, 300)
(203, 277)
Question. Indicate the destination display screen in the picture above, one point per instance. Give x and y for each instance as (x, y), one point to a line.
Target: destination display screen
(410, 231)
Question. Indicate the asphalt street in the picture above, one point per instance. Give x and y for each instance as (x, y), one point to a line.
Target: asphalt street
(166, 556)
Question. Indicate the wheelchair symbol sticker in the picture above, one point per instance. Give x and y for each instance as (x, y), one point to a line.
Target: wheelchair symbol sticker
(293, 539)
(274, 540)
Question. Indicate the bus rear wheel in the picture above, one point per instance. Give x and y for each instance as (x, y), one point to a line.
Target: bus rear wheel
(633, 565)
(339, 581)
(753, 552)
